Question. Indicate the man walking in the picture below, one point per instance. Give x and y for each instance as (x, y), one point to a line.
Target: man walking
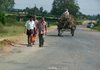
(29, 29)
(42, 31)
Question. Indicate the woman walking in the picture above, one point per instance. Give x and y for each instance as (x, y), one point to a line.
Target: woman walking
(35, 30)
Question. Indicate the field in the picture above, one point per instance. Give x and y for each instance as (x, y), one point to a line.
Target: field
(11, 30)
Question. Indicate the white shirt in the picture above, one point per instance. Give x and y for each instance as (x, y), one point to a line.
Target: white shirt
(66, 13)
(30, 25)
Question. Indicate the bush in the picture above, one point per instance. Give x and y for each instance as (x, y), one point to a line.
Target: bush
(11, 20)
(1, 25)
(2, 18)
(98, 22)
(2, 30)
(97, 26)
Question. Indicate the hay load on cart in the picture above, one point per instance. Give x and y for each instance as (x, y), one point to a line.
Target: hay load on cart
(66, 21)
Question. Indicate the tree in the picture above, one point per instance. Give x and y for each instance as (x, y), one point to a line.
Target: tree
(41, 9)
(98, 16)
(45, 13)
(26, 10)
(36, 10)
(59, 6)
(6, 5)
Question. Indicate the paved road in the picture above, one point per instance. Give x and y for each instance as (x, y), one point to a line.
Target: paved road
(81, 52)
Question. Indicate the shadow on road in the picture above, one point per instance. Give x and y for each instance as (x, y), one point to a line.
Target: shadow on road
(59, 36)
(53, 35)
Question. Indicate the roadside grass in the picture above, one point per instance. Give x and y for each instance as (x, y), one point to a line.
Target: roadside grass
(79, 21)
(97, 27)
(8, 31)
(12, 30)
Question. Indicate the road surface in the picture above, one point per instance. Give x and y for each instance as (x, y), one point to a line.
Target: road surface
(81, 52)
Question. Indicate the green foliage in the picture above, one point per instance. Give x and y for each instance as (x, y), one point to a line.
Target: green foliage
(51, 20)
(2, 30)
(2, 18)
(11, 20)
(1, 26)
(97, 25)
(60, 5)
(11, 30)
(36, 11)
(6, 5)
(98, 22)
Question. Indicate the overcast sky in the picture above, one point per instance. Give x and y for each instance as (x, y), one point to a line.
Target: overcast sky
(89, 7)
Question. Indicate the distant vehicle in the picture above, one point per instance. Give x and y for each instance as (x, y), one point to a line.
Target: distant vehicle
(90, 25)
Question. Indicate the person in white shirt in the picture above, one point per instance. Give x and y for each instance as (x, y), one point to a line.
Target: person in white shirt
(29, 29)
(66, 13)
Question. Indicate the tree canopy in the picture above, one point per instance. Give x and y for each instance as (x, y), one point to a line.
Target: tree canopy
(6, 5)
(36, 11)
(59, 6)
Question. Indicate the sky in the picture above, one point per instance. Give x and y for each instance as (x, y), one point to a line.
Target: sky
(88, 7)
(91, 7)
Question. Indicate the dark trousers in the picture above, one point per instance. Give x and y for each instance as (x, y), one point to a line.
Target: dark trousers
(41, 40)
(29, 39)
(29, 36)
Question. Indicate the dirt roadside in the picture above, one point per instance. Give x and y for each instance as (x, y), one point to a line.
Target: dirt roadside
(15, 44)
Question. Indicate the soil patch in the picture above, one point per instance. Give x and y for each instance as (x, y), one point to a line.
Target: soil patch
(6, 42)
